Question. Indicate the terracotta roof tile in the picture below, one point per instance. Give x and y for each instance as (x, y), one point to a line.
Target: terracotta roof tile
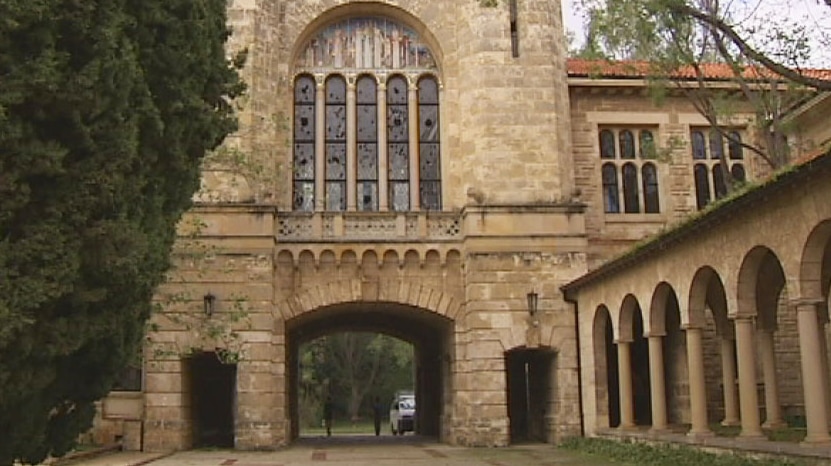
(578, 67)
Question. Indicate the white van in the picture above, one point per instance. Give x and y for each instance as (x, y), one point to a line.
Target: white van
(402, 414)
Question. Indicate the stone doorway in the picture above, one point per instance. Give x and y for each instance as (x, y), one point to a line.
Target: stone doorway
(530, 384)
(212, 397)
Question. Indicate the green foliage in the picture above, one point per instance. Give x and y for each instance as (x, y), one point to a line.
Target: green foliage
(643, 454)
(353, 368)
(106, 111)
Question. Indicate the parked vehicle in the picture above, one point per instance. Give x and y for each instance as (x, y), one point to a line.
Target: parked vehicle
(402, 413)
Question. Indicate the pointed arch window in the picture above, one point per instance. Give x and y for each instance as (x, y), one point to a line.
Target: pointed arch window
(699, 150)
(627, 144)
(303, 165)
(607, 144)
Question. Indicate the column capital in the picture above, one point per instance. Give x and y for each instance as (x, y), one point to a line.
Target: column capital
(806, 304)
(654, 334)
(619, 341)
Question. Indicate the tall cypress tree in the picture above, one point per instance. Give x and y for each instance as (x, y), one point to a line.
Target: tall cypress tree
(107, 108)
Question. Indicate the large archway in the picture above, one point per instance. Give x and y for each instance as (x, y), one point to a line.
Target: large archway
(430, 334)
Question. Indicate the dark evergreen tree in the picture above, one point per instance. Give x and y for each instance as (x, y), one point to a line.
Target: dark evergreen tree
(106, 111)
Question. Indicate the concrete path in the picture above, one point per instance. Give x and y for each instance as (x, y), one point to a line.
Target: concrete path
(359, 451)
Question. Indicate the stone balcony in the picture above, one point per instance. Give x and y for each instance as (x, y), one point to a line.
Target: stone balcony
(302, 227)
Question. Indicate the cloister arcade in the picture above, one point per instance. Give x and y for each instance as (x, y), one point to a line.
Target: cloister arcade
(722, 319)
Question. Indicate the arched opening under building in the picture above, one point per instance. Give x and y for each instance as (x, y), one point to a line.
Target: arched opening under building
(530, 377)
(212, 388)
(431, 337)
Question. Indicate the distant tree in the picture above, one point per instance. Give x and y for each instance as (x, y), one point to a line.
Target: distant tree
(106, 111)
(678, 39)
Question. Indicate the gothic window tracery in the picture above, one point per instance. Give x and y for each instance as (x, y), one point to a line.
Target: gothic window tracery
(627, 173)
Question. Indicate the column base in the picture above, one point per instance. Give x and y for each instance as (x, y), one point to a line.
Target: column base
(700, 433)
(752, 435)
(774, 425)
(816, 441)
(731, 423)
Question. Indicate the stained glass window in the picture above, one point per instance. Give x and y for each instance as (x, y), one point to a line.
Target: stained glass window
(367, 110)
(429, 153)
(335, 143)
(304, 143)
(398, 143)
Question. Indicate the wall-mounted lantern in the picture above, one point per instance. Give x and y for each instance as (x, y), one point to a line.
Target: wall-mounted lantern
(533, 300)
(209, 303)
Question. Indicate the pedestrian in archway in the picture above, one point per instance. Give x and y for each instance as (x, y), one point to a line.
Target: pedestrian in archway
(377, 412)
(327, 415)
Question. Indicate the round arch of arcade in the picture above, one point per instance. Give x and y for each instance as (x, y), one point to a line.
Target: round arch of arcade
(668, 349)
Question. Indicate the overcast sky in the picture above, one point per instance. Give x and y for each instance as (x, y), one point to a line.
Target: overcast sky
(814, 14)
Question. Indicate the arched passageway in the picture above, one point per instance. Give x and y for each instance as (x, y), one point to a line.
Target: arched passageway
(430, 334)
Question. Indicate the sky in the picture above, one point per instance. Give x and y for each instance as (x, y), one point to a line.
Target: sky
(815, 15)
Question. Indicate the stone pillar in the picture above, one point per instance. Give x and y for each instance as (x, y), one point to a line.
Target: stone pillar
(816, 396)
(624, 365)
(728, 376)
(412, 106)
(383, 153)
(747, 378)
(698, 388)
(320, 144)
(351, 145)
(657, 382)
(773, 420)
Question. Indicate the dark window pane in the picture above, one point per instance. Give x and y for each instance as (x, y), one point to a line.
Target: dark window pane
(399, 159)
(430, 195)
(716, 144)
(647, 145)
(368, 196)
(631, 199)
(702, 185)
(737, 170)
(304, 196)
(304, 123)
(397, 89)
(699, 150)
(428, 91)
(129, 380)
(335, 162)
(607, 144)
(428, 124)
(367, 162)
(651, 199)
(367, 123)
(304, 90)
(429, 162)
(335, 195)
(366, 90)
(736, 149)
(627, 145)
(336, 90)
(398, 128)
(611, 202)
(718, 181)
(304, 161)
(400, 196)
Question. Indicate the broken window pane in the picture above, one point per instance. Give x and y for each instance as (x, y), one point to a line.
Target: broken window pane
(429, 164)
(304, 196)
(399, 157)
(335, 162)
(304, 162)
(367, 162)
(368, 196)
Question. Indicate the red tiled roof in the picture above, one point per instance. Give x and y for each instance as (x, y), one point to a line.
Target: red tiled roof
(578, 67)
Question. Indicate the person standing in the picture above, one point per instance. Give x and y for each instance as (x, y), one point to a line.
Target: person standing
(327, 415)
(377, 412)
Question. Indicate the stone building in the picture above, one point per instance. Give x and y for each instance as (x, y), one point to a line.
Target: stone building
(437, 171)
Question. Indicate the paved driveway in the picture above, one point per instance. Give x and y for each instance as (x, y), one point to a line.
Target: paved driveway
(383, 451)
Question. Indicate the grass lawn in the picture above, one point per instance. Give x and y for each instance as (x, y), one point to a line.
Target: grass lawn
(786, 434)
